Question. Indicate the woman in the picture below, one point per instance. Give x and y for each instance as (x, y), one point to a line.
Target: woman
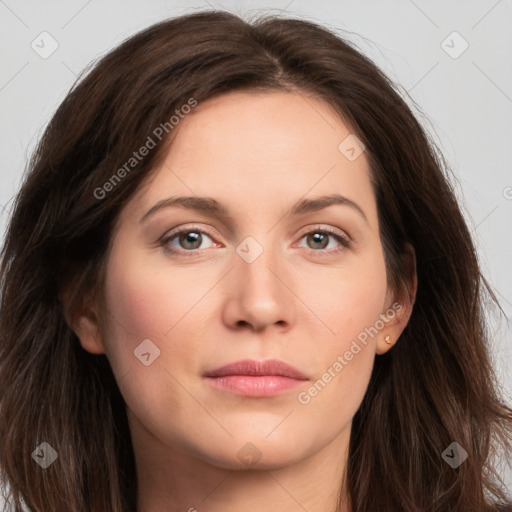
(236, 277)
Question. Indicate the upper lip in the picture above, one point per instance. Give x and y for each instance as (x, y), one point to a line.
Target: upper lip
(258, 368)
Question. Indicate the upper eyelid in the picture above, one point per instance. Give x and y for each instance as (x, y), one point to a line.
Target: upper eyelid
(317, 227)
(172, 233)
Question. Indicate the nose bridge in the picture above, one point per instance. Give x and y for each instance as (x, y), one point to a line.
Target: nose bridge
(259, 295)
(258, 263)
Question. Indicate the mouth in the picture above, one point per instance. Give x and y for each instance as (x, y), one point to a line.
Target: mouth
(256, 378)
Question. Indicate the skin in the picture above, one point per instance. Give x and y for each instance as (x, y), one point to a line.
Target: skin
(299, 301)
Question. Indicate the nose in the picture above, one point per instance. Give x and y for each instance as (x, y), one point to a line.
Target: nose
(259, 294)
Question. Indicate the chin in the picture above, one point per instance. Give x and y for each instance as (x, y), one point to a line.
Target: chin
(251, 452)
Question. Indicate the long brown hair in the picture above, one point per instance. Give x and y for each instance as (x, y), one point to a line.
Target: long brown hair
(435, 387)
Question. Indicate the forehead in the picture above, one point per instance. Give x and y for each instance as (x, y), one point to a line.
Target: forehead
(259, 148)
(262, 122)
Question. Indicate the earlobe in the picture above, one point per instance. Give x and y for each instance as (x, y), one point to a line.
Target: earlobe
(83, 321)
(384, 345)
(88, 332)
(395, 326)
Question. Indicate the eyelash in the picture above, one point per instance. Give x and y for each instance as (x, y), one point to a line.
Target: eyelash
(345, 242)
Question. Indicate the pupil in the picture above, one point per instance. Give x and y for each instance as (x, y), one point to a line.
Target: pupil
(319, 238)
(191, 237)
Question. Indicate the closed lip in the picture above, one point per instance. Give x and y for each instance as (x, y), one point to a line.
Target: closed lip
(258, 368)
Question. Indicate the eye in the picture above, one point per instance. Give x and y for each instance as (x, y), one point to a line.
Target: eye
(318, 240)
(188, 241)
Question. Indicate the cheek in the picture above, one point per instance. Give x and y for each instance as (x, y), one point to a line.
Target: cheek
(347, 299)
(144, 295)
(149, 302)
(345, 364)
(349, 302)
(141, 306)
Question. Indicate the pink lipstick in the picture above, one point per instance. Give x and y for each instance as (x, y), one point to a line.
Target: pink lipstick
(256, 378)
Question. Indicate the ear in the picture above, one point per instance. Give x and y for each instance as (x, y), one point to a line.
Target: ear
(83, 320)
(398, 308)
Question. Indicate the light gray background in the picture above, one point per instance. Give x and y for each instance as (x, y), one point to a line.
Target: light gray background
(467, 100)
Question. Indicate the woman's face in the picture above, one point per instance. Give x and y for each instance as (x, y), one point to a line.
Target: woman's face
(268, 276)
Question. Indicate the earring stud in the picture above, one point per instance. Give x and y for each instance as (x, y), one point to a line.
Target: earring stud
(387, 339)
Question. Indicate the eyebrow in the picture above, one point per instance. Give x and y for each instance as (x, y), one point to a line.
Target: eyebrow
(211, 206)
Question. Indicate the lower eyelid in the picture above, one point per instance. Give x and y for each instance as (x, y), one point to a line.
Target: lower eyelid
(166, 240)
(344, 241)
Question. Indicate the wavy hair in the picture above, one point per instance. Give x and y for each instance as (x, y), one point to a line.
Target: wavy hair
(436, 386)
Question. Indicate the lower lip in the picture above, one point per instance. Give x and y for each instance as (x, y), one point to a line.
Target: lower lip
(250, 385)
